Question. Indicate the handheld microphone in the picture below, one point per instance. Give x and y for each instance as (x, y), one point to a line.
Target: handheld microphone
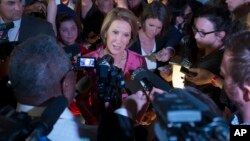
(48, 119)
(142, 74)
(103, 66)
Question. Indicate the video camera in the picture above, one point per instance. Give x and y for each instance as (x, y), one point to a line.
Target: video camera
(111, 83)
(182, 116)
(110, 79)
(85, 63)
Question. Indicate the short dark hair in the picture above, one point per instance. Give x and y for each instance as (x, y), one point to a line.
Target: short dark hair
(37, 67)
(237, 46)
(219, 16)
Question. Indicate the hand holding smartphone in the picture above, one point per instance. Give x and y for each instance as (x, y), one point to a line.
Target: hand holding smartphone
(187, 72)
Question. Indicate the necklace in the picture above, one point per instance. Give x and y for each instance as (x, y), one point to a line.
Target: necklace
(119, 60)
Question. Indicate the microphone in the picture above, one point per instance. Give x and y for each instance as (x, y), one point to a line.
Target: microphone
(84, 84)
(6, 26)
(49, 117)
(106, 60)
(103, 66)
(145, 76)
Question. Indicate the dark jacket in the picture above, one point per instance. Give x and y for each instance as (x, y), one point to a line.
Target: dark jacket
(31, 26)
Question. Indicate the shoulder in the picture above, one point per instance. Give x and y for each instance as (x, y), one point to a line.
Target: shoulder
(97, 53)
(133, 54)
(34, 20)
(135, 60)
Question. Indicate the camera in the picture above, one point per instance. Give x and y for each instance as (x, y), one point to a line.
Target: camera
(111, 83)
(184, 115)
(85, 62)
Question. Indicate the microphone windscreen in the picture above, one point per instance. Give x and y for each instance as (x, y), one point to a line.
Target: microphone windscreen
(84, 84)
(139, 74)
(157, 82)
(133, 86)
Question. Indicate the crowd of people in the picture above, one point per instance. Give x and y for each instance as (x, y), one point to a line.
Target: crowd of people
(39, 60)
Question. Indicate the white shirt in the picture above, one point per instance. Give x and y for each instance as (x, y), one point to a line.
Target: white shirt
(151, 64)
(65, 129)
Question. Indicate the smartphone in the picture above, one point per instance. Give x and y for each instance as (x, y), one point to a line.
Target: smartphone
(85, 62)
(187, 72)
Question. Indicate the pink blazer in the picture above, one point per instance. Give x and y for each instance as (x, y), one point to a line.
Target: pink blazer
(134, 60)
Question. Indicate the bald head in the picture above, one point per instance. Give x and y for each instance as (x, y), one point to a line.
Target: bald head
(36, 69)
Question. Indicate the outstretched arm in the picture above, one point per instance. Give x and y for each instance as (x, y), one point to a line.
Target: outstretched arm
(51, 13)
(205, 77)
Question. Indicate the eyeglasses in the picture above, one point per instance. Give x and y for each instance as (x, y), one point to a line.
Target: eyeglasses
(201, 33)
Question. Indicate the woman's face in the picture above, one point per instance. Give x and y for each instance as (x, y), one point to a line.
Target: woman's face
(105, 5)
(202, 28)
(118, 36)
(152, 27)
(68, 32)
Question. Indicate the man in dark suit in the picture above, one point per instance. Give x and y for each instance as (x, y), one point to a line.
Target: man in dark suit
(32, 26)
(24, 26)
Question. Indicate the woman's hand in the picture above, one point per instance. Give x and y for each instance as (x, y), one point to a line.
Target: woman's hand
(164, 55)
(203, 76)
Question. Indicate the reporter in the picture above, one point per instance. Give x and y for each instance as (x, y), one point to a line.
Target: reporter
(150, 42)
(211, 27)
(37, 77)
